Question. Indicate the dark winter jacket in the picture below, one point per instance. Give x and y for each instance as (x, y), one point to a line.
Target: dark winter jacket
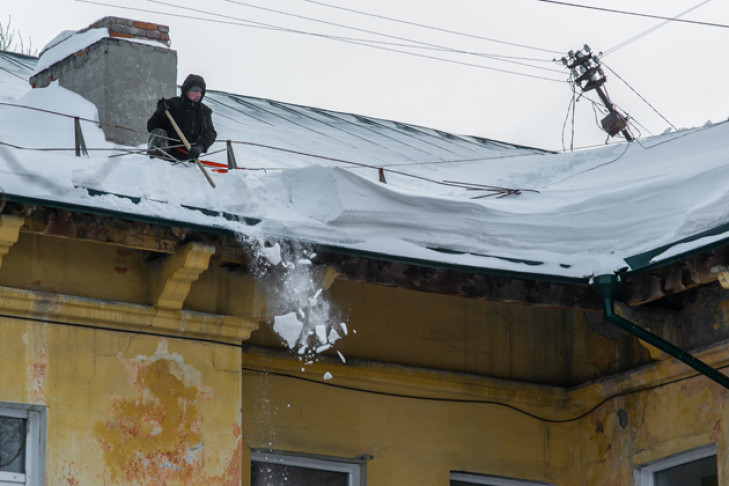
(193, 118)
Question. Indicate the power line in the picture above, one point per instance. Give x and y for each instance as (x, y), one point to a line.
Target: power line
(654, 28)
(637, 14)
(639, 96)
(362, 42)
(439, 29)
(417, 43)
(474, 401)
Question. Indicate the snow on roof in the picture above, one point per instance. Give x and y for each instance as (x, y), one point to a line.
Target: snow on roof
(312, 174)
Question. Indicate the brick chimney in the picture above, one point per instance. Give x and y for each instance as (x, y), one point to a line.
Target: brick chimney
(123, 79)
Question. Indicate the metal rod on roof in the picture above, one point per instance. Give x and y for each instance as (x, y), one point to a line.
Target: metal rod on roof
(79, 138)
(232, 164)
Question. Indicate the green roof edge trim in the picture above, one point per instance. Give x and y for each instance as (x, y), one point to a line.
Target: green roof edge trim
(642, 261)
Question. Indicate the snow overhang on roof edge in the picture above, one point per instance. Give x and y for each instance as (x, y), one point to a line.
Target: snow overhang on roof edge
(325, 247)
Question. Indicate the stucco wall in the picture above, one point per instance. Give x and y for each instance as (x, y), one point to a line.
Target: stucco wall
(657, 423)
(419, 441)
(412, 442)
(127, 408)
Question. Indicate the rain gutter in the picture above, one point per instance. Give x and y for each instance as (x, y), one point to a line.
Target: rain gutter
(605, 286)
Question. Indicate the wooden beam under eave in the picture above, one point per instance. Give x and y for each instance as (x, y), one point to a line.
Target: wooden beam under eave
(9, 233)
(500, 288)
(648, 286)
(176, 275)
(154, 238)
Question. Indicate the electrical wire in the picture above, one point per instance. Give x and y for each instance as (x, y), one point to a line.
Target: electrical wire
(639, 96)
(570, 108)
(358, 29)
(498, 190)
(454, 32)
(610, 10)
(365, 43)
(375, 167)
(477, 401)
(652, 29)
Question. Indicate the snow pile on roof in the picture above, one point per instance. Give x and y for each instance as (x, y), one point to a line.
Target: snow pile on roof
(66, 43)
(312, 175)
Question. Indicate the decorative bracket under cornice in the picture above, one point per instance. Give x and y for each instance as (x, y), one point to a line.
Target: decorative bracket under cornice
(722, 275)
(172, 284)
(9, 233)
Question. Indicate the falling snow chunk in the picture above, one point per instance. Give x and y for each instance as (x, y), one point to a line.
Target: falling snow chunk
(328, 376)
(333, 336)
(321, 349)
(288, 327)
(344, 328)
(341, 356)
(321, 333)
(313, 300)
(272, 254)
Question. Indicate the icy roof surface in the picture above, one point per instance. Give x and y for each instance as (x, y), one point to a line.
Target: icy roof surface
(312, 174)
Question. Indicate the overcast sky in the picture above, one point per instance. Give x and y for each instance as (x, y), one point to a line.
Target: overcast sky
(523, 97)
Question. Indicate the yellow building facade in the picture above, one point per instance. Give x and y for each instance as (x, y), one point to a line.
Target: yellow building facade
(148, 351)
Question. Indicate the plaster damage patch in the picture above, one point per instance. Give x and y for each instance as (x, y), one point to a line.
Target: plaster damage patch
(155, 438)
(36, 370)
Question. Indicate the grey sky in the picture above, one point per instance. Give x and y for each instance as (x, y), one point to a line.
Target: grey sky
(679, 68)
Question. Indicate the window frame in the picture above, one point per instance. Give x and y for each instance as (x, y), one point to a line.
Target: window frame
(645, 474)
(353, 467)
(486, 480)
(35, 439)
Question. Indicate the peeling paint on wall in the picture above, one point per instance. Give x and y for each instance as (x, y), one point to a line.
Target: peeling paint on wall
(156, 438)
(36, 370)
(70, 475)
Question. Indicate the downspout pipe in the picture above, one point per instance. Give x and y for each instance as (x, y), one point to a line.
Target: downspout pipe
(605, 286)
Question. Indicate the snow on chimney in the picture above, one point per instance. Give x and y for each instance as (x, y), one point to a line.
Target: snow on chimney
(123, 66)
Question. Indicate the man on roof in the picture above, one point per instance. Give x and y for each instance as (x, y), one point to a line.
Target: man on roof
(192, 117)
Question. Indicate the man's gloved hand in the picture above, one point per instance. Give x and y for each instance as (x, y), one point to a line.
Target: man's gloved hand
(195, 152)
(162, 105)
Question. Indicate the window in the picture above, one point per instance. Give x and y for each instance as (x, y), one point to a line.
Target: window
(465, 479)
(21, 445)
(277, 469)
(693, 468)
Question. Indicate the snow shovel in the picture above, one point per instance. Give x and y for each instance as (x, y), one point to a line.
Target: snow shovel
(187, 146)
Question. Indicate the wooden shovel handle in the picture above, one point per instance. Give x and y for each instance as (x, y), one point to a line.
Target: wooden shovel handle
(187, 146)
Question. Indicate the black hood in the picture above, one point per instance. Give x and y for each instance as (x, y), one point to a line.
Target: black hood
(193, 80)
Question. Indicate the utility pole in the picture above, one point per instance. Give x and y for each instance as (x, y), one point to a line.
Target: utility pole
(588, 75)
